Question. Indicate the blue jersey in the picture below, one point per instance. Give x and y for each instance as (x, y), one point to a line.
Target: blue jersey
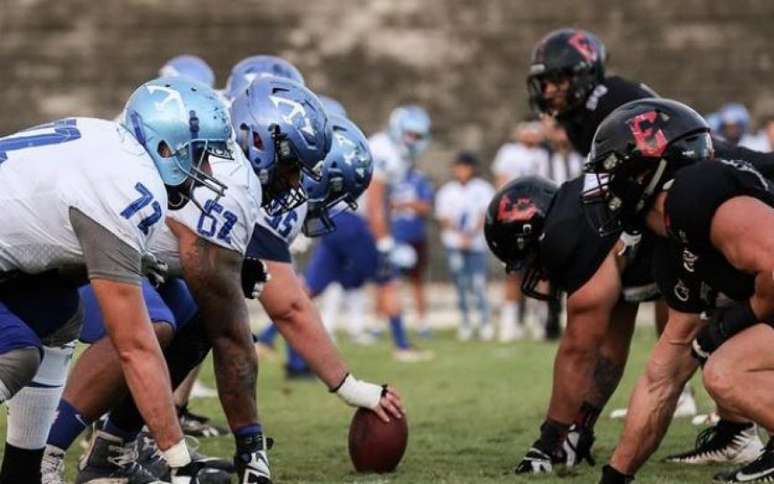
(407, 226)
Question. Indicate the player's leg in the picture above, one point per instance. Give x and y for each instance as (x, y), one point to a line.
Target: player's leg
(477, 270)
(456, 261)
(416, 278)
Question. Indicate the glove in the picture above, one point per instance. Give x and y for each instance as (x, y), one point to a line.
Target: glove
(251, 462)
(722, 324)
(536, 461)
(577, 446)
(612, 476)
(255, 275)
(154, 269)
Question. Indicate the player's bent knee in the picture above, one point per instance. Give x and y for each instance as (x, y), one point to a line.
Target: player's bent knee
(17, 369)
(719, 377)
(165, 332)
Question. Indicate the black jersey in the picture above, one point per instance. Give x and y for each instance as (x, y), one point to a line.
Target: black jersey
(692, 274)
(571, 250)
(581, 124)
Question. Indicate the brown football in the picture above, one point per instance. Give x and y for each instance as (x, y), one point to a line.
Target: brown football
(375, 446)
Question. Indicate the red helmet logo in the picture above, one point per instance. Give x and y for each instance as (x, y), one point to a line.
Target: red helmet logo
(649, 141)
(521, 211)
(584, 47)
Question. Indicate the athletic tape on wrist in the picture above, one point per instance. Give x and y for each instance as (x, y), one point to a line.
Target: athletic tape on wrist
(359, 393)
(177, 455)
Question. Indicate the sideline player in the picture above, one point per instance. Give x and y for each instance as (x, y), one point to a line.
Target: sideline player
(713, 218)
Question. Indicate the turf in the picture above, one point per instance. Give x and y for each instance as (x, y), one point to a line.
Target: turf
(472, 412)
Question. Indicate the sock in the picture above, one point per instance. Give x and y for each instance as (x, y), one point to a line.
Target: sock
(398, 332)
(249, 438)
(20, 465)
(552, 435)
(295, 362)
(587, 417)
(113, 429)
(67, 426)
(268, 335)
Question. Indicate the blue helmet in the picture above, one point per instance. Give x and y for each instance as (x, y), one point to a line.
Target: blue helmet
(189, 67)
(409, 128)
(179, 122)
(346, 174)
(283, 130)
(250, 68)
(332, 106)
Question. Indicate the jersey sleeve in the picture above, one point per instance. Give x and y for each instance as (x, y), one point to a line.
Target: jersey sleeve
(697, 191)
(682, 290)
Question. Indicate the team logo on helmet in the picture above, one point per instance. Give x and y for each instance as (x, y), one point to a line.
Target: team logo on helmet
(520, 211)
(583, 45)
(650, 142)
(297, 109)
(172, 96)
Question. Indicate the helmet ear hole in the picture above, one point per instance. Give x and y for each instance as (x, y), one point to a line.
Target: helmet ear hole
(164, 150)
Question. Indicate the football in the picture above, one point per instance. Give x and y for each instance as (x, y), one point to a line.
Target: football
(375, 446)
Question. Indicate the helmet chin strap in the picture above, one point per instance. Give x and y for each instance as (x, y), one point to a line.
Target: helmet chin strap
(653, 184)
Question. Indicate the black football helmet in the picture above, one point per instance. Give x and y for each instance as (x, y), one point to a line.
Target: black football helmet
(514, 223)
(635, 151)
(575, 55)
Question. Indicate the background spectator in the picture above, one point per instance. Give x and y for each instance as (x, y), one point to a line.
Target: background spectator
(411, 200)
(461, 207)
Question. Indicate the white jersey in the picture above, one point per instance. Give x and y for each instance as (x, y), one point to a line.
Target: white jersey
(515, 160)
(92, 165)
(389, 166)
(230, 220)
(464, 206)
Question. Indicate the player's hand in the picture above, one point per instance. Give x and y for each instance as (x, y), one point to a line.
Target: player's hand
(577, 446)
(154, 269)
(390, 405)
(255, 275)
(722, 324)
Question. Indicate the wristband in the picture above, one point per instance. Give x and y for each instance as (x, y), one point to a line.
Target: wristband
(177, 455)
(358, 393)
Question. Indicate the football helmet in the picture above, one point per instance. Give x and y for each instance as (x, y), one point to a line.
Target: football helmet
(346, 174)
(180, 122)
(570, 55)
(283, 130)
(635, 151)
(409, 128)
(250, 68)
(513, 226)
(189, 67)
(332, 106)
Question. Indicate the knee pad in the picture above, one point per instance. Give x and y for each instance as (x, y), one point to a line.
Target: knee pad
(31, 411)
(17, 369)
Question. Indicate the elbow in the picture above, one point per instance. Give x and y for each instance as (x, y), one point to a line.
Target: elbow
(291, 312)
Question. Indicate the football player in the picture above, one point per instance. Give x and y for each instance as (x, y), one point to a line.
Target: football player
(713, 219)
(79, 211)
(567, 81)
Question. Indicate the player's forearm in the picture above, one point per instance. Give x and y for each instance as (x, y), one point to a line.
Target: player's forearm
(653, 402)
(142, 361)
(303, 330)
(236, 373)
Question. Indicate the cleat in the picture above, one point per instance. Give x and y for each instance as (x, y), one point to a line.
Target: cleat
(253, 467)
(52, 465)
(535, 462)
(110, 460)
(199, 425)
(716, 446)
(759, 470)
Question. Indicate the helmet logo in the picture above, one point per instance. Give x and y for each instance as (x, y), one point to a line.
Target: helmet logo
(173, 97)
(520, 211)
(649, 142)
(581, 43)
(297, 109)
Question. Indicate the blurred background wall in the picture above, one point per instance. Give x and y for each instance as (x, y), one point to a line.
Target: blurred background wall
(464, 60)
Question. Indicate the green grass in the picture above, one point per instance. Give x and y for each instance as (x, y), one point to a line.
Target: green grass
(472, 413)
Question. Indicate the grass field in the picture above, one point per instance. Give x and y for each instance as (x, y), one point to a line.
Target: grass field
(472, 412)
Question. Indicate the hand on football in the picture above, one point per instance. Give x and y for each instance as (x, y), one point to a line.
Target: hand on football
(390, 405)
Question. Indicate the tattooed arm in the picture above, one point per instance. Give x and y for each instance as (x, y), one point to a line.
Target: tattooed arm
(214, 276)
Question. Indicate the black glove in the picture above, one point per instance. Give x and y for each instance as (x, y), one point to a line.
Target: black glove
(723, 323)
(577, 446)
(154, 269)
(255, 275)
(612, 476)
